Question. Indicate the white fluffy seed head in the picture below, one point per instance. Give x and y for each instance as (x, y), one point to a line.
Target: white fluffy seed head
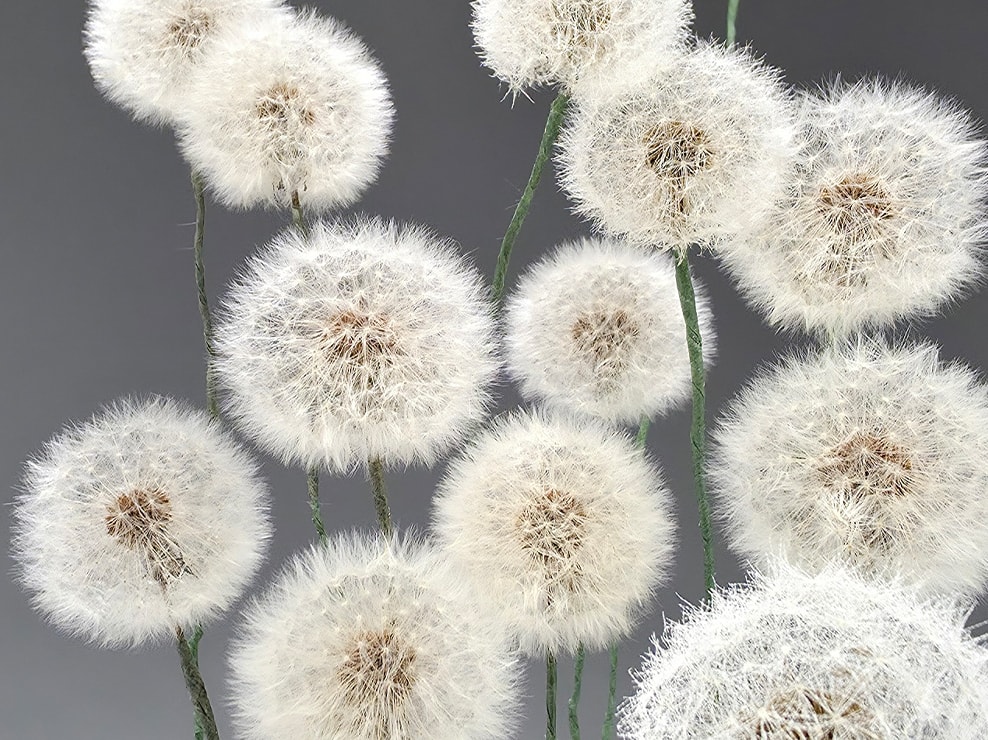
(545, 42)
(365, 639)
(884, 217)
(688, 152)
(143, 53)
(562, 527)
(830, 657)
(871, 453)
(285, 107)
(597, 328)
(365, 340)
(145, 518)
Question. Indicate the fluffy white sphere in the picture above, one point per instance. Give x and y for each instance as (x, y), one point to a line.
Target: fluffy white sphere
(884, 217)
(286, 107)
(597, 328)
(363, 340)
(561, 525)
(871, 453)
(825, 658)
(688, 152)
(143, 53)
(364, 639)
(146, 518)
(545, 42)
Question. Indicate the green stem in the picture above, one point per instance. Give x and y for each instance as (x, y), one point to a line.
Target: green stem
(732, 17)
(574, 700)
(380, 495)
(198, 190)
(608, 733)
(313, 480)
(641, 438)
(552, 126)
(298, 217)
(189, 653)
(550, 696)
(698, 430)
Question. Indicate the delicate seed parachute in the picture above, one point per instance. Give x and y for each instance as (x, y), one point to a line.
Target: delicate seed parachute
(285, 108)
(868, 452)
(561, 525)
(363, 639)
(145, 518)
(884, 218)
(365, 339)
(597, 327)
(143, 53)
(829, 656)
(690, 151)
(544, 42)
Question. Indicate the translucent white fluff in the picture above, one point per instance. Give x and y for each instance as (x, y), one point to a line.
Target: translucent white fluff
(687, 152)
(597, 328)
(363, 639)
(545, 42)
(885, 213)
(823, 658)
(289, 107)
(561, 525)
(364, 340)
(146, 518)
(874, 454)
(142, 53)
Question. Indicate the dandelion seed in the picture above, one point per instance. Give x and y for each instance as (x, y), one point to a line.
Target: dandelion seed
(867, 452)
(364, 340)
(146, 518)
(597, 328)
(365, 639)
(561, 526)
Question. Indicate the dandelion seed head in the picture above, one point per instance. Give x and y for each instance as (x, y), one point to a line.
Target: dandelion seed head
(561, 526)
(364, 340)
(145, 518)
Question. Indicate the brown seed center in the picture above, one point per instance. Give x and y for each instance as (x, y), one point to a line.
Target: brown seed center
(855, 205)
(602, 335)
(806, 714)
(139, 521)
(189, 31)
(281, 105)
(868, 463)
(677, 150)
(359, 338)
(551, 529)
(377, 676)
(578, 23)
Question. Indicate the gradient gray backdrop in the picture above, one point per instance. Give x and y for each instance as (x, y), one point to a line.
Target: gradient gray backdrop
(97, 296)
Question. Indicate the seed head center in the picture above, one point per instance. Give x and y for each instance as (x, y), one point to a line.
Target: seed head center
(552, 528)
(677, 150)
(189, 31)
(602, 335)
(358, 338)
(868, 463)
(807, 714)
(139, 521)
(282, 105)
(377, 674)
(856, 205)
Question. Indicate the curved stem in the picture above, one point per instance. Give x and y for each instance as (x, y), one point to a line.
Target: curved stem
(608, 733)
(380, 495)
(552, 126)
(312, 476)
(698, 429)
(550, 696)
(189, 654)
(198, 191)
(574, 700)
(732, 17)
(298, 217)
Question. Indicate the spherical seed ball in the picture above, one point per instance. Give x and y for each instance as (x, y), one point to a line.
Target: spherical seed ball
(364, 340)
(815, 658)
(142, 53)
(884, 217)
(363, 639)
(545, 42)
(687, 152)
(288, 107)
(597, 328)
(145, 518)
(561, 525)
(868, 452)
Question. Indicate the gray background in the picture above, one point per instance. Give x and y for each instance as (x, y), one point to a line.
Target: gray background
(97, 298)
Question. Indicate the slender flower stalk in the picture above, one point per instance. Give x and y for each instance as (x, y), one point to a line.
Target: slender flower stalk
(698, 429)
(552, 127)
(574, 700)
(380, 496)
(551, 671)
(732, 17)
(313, 480)
(188, 650)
